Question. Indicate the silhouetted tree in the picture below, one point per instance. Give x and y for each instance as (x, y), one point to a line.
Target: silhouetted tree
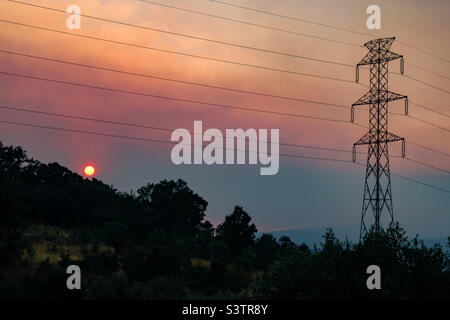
(267, 249)
(236, 231)
(338, 270)
(176, 208)
(205, 240)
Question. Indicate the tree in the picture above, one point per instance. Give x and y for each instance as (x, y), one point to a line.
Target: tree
(12, 224)
(266, 248)
(236, 231)
(176, 208)
(205, 240)
(13, 159)
(286, 243)
(338, 270)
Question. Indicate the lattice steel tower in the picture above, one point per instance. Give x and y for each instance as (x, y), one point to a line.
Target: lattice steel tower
(377, 189)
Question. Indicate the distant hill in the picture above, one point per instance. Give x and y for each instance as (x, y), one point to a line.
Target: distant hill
(311, 236)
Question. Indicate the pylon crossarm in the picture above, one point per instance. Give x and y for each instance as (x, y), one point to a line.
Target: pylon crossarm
(365, 61)
(392, 96)
(374, 57)
(384, 42)
(365, 99)
(379, 96)
(392, 137)
(365, 139)
(369, 138)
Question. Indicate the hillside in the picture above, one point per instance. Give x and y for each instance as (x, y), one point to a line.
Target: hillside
(158, 244)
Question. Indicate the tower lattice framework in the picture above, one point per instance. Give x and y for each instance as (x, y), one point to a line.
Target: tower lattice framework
(377, 189)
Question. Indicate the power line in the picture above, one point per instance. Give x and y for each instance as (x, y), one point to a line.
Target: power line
(426, 165)
(419, 81)
(324, 25)
(420, 182)
(222, 42)
(414, 181)
(151, 127)
(427, 84)
(428, 148)
(251, 24)
(251, 110)
(173, 98)
(175, 80)
(281, 30)
(183, 100)
(417, 119)
(200, 102)
(427, 70)
(180, 53)
(205, 85)
(422, 82)
(291, 18)
(191, 36)
(428, 123)
(152, 140)
(429, 109)
(423, 51)
(231, 44)
(414, 118)
(171, 142)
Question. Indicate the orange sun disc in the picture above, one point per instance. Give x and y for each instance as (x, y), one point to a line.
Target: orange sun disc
(89, 171)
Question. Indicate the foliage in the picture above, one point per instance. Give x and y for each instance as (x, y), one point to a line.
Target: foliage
(338, 271)
(143, 246)
(236, 231)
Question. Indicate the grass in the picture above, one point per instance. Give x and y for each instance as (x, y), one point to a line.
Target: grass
(43, 251)
(201, 262)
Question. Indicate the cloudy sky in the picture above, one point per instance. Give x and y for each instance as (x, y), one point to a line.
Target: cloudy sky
(305, 193)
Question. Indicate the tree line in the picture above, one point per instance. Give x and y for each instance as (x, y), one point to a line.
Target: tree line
(157, 244)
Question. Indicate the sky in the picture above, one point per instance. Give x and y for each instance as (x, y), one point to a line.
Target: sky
(305, 193)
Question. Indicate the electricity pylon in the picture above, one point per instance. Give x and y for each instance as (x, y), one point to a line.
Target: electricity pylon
(377, 188)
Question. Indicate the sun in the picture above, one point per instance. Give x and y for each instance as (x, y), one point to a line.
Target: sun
(89, 170)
